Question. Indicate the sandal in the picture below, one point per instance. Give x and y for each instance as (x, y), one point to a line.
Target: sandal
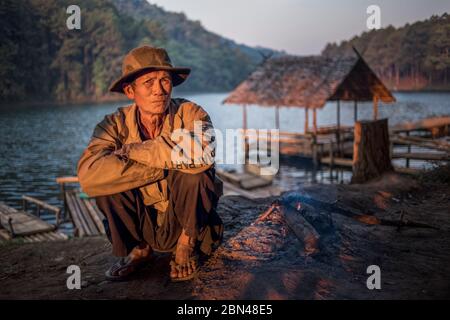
(191, 264)
(125, 267)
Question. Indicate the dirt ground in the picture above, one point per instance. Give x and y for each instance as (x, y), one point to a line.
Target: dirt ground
(266, 260)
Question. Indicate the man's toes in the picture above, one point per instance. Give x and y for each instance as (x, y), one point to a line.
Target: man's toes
(173, 272)
(180, 273)
(185, 271)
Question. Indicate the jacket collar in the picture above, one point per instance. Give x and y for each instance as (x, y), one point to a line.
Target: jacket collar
(132, 124)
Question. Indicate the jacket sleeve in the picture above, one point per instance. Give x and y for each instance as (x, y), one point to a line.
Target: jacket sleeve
(190, 150)
(100, 172)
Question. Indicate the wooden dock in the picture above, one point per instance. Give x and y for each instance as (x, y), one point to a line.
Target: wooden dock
(333, 146)
(19, 224)
(313, 145)
(87, 219)
(434, 126)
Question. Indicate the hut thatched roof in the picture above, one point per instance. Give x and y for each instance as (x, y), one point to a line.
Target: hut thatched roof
(309, 82)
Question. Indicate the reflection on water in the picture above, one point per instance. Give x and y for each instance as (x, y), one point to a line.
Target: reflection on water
(42, 143)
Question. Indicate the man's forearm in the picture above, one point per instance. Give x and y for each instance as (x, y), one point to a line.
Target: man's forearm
(163, 153)
(108, 174)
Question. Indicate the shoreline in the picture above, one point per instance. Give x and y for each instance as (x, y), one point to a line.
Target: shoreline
(118, 98)
(105, 100)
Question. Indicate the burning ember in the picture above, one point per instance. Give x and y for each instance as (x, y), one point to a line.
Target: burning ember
(293, 211)
(311, 219)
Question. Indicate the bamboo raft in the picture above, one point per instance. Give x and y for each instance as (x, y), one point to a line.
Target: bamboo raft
(21, 225)
(87, 219)
(82, 211)
(262, 192)
(247, 184)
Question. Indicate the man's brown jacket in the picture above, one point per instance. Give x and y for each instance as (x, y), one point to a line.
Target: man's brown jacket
(101, 172)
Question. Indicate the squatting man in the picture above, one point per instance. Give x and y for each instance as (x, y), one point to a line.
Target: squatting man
(156, 193)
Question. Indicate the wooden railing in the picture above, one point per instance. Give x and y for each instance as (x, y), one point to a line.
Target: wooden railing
(39, 205)
(311, 145)
(62, 181)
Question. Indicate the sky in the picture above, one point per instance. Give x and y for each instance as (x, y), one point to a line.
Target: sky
(298, 26)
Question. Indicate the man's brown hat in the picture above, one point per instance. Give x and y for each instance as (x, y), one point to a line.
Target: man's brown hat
(147, 58)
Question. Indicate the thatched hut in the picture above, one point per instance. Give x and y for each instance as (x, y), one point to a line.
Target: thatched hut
(309, 82)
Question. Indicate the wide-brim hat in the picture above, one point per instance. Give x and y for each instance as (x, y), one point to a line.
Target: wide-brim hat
(148, 58)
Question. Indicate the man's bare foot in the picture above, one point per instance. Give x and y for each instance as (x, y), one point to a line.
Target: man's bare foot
(184, 266)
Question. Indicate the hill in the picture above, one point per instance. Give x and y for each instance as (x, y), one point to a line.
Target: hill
(43, 60)
(413, 57)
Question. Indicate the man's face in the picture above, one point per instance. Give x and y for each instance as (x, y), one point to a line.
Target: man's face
(151, 91)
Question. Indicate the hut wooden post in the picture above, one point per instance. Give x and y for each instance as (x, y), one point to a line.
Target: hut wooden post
(371, 150)
(244, 124)
(306, 120)
(277, 126)
(375, 107)
(277, 117)
(314, 141)
(244, 117)
(409, 150)
(315, 120)
(355, 110)
(338, 131)
(331, 159)
(24, 205)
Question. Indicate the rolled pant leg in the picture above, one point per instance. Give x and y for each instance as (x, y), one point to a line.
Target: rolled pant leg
(191, 199)
(192, 202)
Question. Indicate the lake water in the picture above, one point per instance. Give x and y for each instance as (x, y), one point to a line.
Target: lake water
(41, 143)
